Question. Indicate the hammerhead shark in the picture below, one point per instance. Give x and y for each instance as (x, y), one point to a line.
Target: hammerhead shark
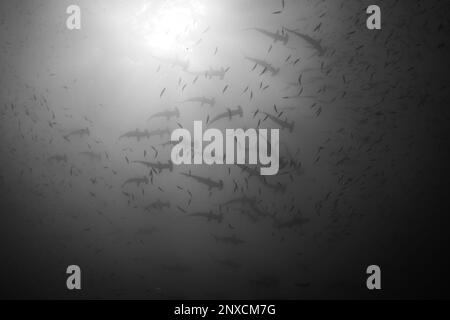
(210, 73)
(314, 43)
(92, 155)
(159, 132)
(157, 205)
(228, 114)
(58, 158)
(259, 212)
(206, 181)
(138, 181)
(276, 187)
(283, 123)
(136, 134)
(251, 171)
(282, 37)
(233, 240)
(241, 200)
(169, 143)
(159, 166)
(197, 73)
(184, 64)
(292, 222)
(80, 133)
(203, 100)
(267, 66)
(208, 215)
(227, 263)
(220, 73)
(166, 114)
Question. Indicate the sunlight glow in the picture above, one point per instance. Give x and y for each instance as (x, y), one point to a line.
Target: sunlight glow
(168, 27)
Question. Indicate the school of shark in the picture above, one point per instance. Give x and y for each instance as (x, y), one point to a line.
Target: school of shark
(208, 149)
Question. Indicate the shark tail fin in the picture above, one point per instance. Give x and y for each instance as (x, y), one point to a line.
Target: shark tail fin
(291, 126)
(241, 112)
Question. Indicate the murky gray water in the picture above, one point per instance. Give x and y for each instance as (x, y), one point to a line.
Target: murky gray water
(358, 171)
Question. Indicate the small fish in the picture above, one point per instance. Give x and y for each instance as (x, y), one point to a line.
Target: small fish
(206, 181)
